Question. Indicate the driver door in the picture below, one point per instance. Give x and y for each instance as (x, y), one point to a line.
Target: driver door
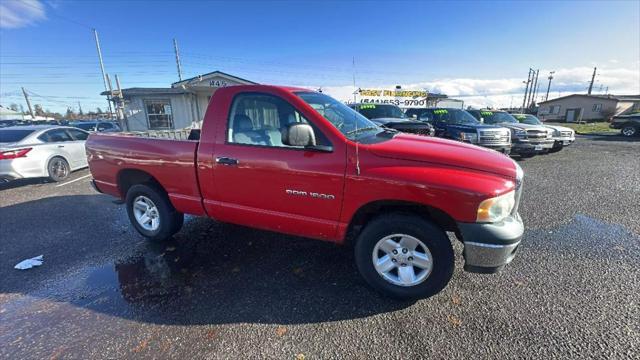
(261, 182)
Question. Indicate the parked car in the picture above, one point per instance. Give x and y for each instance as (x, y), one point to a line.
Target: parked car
(41, 151)
(629, 125)
(562, 136)
(96, 126)
(8, 123)
(299, 162)
(459, 125)
(393, 117)
(526, 140)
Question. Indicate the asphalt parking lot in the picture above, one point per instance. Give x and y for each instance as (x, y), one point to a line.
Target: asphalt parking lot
(220, 291)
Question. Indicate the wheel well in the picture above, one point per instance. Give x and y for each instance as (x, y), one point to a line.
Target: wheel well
(129, 177)
(369, 211)
(46, 165)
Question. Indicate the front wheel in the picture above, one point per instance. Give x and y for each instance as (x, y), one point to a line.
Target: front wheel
(151, 213)
(404, 256)
(629, 130)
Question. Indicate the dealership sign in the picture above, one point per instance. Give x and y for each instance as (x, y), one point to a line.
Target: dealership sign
(399, 97)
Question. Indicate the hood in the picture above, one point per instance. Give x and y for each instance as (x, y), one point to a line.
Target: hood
(445, 152)
(522, 126)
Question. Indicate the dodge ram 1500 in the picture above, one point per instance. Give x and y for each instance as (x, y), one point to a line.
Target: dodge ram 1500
(299, 162)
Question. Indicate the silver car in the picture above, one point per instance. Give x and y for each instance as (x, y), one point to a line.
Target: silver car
(41, 151)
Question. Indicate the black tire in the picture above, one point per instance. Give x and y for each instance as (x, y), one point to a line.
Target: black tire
(428, 233)
(58, 169)
(170, 220)
(555, 149)
(527, 155)
(629, 130)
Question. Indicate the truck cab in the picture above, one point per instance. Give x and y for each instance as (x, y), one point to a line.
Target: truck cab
(457, 124)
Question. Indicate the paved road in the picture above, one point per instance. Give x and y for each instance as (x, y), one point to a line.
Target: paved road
(222, 291)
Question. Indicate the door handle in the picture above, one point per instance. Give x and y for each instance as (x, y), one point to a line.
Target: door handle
(60, 146)
(226, 161)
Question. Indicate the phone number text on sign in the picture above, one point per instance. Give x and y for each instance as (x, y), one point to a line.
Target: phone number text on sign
(397, 102)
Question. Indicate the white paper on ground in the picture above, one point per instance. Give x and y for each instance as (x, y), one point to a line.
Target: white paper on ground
(29, 263)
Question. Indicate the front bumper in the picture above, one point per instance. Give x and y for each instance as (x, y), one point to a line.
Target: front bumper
(563, 140)
(527, 146)
(503, 148)
(489, 247)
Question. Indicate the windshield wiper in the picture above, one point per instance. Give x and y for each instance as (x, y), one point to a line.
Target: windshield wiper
(367, 128)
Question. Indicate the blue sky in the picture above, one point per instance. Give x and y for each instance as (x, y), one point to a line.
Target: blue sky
(479, 50)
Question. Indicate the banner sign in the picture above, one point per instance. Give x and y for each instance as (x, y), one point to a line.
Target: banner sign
(399, 97)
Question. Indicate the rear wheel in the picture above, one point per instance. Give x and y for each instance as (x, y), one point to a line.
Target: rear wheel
(58, 169)
(404, 256)
(629, 130)
(151, 213)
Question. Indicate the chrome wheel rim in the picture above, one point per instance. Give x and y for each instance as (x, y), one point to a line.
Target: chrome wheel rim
(59, 169)
(629, 131)
(402, 260)
(146, 213)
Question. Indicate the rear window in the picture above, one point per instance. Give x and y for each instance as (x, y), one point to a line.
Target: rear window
(9, 136)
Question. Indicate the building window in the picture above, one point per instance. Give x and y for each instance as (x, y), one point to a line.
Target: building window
(554, 109)
(159, 114)
(597, 107)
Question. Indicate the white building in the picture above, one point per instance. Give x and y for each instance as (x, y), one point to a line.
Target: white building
(582, 107)
(180, 106)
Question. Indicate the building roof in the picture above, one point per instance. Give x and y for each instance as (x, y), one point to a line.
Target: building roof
(147, 91)
(606, 97)
(211, 74)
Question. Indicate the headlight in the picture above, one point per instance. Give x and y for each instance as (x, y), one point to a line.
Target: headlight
(497, 208)
(470, 137)
(557, 133)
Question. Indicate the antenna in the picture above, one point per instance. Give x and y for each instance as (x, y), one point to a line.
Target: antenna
(355, 118)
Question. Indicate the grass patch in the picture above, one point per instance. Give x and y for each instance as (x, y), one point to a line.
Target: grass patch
(592, 128)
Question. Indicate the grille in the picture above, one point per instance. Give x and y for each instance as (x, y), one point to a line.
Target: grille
(494, 137)
(424, 132)
(537, 134)
(565, 133)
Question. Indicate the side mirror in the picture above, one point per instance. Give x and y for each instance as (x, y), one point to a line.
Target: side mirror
(414, 116)
(299, 134)
(482, 120)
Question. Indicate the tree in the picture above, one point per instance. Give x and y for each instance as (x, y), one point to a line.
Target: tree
(13, 107)
(98, 110)
(69, 115)
(37, 110)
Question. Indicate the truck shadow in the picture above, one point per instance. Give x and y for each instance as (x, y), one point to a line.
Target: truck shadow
(209, 273)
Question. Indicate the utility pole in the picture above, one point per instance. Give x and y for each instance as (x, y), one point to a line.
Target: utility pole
(110, 89)
(549, 86)
(104, 76)
(175, 49)
(593, 78)
(79, 108)
(26, 97)
(526, 89)
(534, 83)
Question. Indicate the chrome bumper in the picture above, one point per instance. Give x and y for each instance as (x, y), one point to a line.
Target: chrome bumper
(489, 247)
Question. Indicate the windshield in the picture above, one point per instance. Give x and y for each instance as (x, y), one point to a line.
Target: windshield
(10, 136)
(353, 125)
(497, 117)
(377, 111)
(453, 116)
(527, 119)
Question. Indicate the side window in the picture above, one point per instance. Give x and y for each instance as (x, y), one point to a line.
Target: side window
(77, 134)
(426, 116)
(258, 119)
(56, 135)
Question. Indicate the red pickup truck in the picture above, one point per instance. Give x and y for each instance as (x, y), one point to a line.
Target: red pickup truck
(299, 162)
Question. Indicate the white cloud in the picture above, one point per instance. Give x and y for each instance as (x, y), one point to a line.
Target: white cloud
(20, 13)
(509, 92)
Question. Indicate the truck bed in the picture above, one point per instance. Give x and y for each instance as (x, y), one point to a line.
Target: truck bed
(172, 163)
